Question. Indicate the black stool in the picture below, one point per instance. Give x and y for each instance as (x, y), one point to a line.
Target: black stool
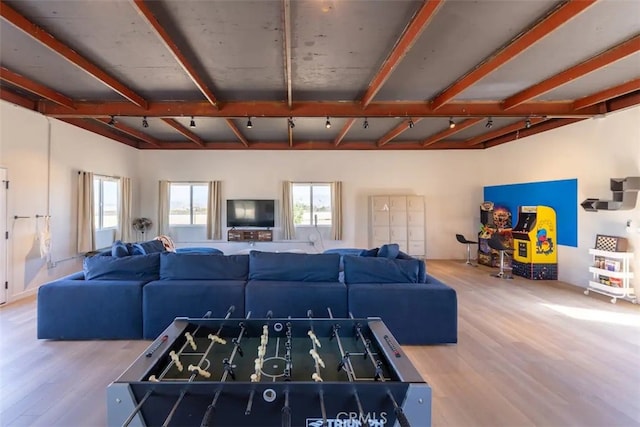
(496, 243)
(463, 239)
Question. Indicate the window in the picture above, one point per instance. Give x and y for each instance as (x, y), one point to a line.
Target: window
(311, 204)
(106, 197)
(188, 203)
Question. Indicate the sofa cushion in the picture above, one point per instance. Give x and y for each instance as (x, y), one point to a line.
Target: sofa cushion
(119, 249)
(198, 250)
(390, 250)
(193, 266)
(144, 267)
(149, 247)
(422, 268)
(380, 270)
(286, 266)
(369, 252)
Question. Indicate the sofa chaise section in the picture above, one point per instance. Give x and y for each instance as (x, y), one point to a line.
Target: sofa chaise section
(290, 284)
(190, 285)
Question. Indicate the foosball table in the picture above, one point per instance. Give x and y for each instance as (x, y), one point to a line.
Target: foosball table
(308, 372)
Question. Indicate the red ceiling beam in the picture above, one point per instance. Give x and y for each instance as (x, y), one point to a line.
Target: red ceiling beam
(451, 131)
(286, 45)
(400, 128)
(237, 132)
(182, 60)
(48, 40)
(132, 132)
(99, 129)
(35, 88)
(404, 43)
(14, 98)
(343, 132)
(317, 109)
(551, 22)
(521, 133)
(610, 56)
(623, 102)
(477, 140)
(604, 95)
(184, 131)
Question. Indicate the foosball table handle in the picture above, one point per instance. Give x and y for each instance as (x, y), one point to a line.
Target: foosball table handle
(402, 418)
(286, 417)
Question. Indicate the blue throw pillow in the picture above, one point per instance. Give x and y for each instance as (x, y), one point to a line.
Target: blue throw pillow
(292, 267)
(370, 252)
(380, 270)
(149, 247)
(390, 250)
(119, 249)
(144, 267)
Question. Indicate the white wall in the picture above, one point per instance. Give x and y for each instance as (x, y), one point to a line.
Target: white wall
(43, 157)
(593, 151)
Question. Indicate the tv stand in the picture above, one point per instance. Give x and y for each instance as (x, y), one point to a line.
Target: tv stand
(236, 235)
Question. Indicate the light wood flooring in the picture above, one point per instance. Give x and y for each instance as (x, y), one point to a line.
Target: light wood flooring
(530, 353)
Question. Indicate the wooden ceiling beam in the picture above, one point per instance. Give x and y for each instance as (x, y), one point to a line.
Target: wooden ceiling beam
(411, 33)
(31, 86)
(624, 101)
(171, 45)
(400, 128)
(132, 132)
(94, 127)
(286, 46)
(46, 39)
(184, 131)
(603, 59)
(549, 23)
(237, 132)
(451, 131)
(347, 126)
(14, 98)
(317, 109)
(477, 140)
(607, 94)
(521, 133)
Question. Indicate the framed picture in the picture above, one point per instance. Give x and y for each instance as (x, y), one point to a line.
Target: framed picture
(611, 243)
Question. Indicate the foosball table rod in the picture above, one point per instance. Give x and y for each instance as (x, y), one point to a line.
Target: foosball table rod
(286, 411)
(402, 418)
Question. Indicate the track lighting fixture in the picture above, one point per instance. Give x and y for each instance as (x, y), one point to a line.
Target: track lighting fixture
(327, 124)
(489, 124)
(145, 123)
(249, 124)
(527, 123)
(411, 124)
(365, 124)
(291, 124)
(112, 121)
(192, 124)
(452, 124)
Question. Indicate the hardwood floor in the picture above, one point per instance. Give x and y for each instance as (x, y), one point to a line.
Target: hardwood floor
(530, 353)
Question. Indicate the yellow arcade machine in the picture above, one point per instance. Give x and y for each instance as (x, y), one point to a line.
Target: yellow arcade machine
(535, 249)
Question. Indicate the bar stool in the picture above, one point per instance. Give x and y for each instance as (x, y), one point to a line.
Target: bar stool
(464, 240)
(497, 244)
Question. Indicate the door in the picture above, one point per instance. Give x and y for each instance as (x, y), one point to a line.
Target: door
(4, 264)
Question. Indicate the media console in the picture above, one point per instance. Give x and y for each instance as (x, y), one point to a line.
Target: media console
(236, 235)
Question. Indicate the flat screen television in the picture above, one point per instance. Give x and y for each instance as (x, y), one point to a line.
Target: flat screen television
(250, 213)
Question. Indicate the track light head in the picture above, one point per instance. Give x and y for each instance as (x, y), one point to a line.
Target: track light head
(291, 124)
(112, 121)
(365, 124)
(192, 124)
(327, 124)
(145, 123)
(527, 123)
(249, 124)
(452, 124)
(489, 124)
(411, 124)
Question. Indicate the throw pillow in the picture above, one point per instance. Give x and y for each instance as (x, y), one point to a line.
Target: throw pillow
(119, 249)
(369, 252)
(390, 251)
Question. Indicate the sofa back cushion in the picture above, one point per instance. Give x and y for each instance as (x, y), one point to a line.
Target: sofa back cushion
(287, 267)
(380, 270)
(149, 247)
(143, 267)
(174, 266)
(422, 267)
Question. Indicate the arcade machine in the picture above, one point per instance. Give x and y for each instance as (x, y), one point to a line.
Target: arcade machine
(535, 255)
(493, 219)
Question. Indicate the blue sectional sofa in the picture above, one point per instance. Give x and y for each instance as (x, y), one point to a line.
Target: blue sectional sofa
(133, 297)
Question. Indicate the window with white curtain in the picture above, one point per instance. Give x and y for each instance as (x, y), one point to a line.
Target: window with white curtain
(188, 203)
(311, 204)
(106, 202)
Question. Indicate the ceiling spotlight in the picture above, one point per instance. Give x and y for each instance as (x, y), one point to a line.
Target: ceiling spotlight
(527, 123)
(112, 122)
(365, 124)
(327, 124)
(291, 124)
(145, 123)
(411, 124)
(489, 124)
(452, 124)
(249, 124)
(192, 124)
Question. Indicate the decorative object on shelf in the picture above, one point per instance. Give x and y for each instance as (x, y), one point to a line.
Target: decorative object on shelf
(625, 196)
(141, 225)
(611, 243)
(611, 273)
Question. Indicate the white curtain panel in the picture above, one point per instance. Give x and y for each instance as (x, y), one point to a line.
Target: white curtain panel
(124, 230)
(163, 208)
(86, 240)
(288, 229)
(336, 210)
(214, 230)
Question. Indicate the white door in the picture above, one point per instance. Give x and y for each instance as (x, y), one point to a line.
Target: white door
(4, 264)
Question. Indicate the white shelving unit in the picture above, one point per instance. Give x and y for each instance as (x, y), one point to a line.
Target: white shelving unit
(398, 219)
(611, 275)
